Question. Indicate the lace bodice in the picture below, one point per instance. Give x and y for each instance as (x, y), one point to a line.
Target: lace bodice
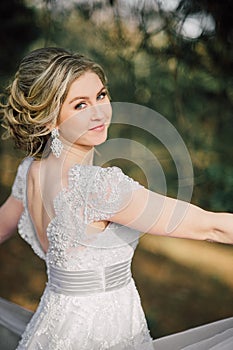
(93, 194)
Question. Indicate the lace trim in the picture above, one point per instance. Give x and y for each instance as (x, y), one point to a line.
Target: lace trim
(18, 188)
(25, 226)
(26, 231)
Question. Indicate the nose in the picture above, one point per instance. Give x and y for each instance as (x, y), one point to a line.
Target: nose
(97, 112)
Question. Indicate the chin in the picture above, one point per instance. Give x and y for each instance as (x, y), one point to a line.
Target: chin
(94, 143)
(99, 142)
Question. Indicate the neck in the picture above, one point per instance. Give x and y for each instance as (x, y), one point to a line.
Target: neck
(77, 154)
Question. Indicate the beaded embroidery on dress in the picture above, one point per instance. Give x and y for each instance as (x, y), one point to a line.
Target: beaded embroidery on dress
(90, 301)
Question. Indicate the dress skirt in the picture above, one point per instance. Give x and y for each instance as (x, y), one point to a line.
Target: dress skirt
(214, 336)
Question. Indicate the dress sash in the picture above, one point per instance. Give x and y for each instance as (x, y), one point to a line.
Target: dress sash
(85, 282)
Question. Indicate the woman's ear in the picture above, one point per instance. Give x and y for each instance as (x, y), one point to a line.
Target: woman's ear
(51, 126)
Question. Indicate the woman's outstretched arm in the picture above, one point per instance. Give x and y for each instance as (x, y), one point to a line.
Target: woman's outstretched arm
(156, 214)
(10, 213)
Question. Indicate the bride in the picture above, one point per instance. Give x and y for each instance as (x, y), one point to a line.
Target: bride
(84, 220)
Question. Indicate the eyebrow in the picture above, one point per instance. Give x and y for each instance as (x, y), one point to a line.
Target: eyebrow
(86, 97)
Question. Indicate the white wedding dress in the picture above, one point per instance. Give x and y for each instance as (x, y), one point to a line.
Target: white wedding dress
(90, 301)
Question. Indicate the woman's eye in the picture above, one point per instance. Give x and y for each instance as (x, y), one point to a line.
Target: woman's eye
(80, 105)
(102, 95)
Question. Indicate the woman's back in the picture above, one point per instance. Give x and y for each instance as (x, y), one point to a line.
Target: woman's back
(62, 212)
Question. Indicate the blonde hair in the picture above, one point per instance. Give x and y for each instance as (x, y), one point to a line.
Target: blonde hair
(34, 99)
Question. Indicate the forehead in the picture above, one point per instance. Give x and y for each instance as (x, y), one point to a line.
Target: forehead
(87, 84)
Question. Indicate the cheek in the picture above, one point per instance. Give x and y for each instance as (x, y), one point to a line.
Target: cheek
(74, 127)
(108, 111)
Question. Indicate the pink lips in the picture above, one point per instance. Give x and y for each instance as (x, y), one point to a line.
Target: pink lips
(98, 128)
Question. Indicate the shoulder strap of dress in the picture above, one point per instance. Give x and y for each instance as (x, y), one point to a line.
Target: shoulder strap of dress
(19, 191)
(19, 185)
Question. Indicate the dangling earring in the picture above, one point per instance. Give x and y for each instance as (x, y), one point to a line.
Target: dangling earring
(56, 144)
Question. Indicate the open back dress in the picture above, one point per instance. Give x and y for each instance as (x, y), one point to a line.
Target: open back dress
(90, 301)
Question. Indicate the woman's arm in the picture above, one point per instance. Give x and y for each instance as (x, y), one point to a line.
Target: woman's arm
(10, 213)
(156, 214)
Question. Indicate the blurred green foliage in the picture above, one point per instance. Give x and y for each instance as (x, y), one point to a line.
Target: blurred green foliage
(148, 62)
(18, 29)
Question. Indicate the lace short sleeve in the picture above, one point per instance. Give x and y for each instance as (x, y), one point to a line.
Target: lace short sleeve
(108, 192)
(19, 185)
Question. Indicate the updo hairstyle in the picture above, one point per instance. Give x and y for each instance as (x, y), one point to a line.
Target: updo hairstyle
(34, 99)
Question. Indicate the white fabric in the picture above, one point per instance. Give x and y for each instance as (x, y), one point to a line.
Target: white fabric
(86, 282)
(214, 336)
(111, 319)
(14, 317)
(103, 320)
